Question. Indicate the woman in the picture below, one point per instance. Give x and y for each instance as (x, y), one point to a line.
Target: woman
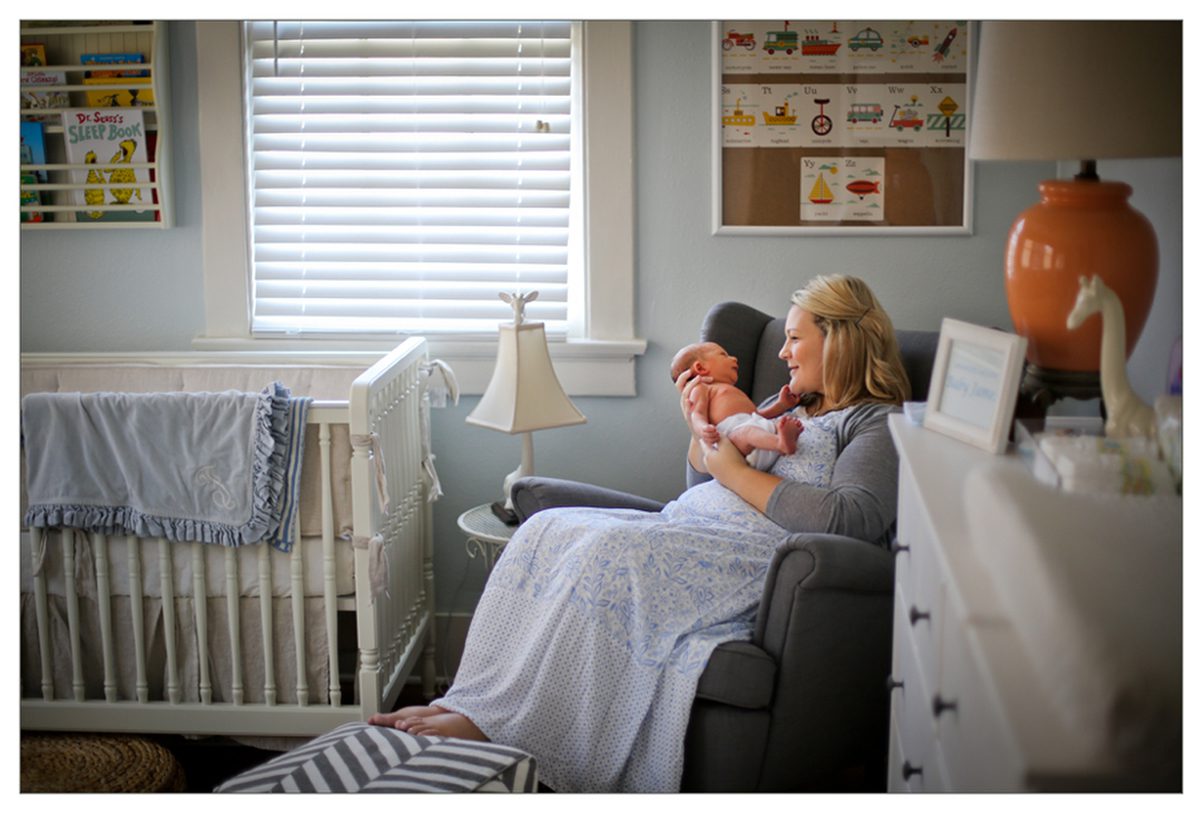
(595, 624)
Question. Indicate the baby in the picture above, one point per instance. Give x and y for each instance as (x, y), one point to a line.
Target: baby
(722, 409)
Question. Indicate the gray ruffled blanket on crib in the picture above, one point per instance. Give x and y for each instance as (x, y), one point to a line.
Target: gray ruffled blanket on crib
(220, 468)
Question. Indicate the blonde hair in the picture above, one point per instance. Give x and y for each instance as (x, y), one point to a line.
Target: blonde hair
(861, 360)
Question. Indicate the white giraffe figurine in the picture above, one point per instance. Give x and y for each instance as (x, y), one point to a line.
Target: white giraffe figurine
(1127, 414)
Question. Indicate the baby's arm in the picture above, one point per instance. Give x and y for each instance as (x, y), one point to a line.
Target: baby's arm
(786, 402)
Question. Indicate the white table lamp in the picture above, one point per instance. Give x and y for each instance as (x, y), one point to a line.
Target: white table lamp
(524, 394)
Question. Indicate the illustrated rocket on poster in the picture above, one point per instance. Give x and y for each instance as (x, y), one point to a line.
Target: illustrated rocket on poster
(942, 50)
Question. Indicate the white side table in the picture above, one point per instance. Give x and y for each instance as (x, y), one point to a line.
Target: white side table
(486, 534)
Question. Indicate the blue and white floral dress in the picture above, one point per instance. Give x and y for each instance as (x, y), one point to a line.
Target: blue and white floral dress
(595, 625)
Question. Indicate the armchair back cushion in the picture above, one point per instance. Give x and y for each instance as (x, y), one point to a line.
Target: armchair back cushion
(755, 338)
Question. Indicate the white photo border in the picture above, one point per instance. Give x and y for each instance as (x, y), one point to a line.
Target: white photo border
(993, 438)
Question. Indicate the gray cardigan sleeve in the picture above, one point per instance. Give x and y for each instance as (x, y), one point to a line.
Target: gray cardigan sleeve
(861, 499)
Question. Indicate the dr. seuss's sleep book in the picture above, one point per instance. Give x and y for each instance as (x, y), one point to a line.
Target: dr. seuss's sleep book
(115, 140)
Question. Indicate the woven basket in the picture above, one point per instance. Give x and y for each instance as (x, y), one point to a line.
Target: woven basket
(97, 763)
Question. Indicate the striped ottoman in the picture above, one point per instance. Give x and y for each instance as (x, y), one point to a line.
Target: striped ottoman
(361, 758)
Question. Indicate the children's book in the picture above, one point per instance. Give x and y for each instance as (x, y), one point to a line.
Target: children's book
(30, 197)
(109, 136)
(37, 92)
(132, 97)
(33, 147)
(33, 55)
(114, 59)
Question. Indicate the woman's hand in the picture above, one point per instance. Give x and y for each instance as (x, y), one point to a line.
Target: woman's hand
(686, 384)
(728, 466)
(724, 460)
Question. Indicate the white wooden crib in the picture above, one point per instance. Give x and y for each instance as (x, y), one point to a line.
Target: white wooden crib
(126, 634)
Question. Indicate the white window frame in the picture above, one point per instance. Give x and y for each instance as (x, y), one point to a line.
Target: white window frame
(598, 363)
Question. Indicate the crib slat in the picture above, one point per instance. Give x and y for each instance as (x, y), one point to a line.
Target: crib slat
(232, 592)
(100, 545)
(166, 574)
(37, 541)
(429, 669)
(138, 618)
(327, 544)
(264, 604)
(373, 614)
(298, 630)
(200, 606)
(68, 551)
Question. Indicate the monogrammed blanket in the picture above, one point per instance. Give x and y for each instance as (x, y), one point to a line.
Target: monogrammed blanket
(210, 467)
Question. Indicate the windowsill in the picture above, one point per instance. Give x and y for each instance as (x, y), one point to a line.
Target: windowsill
(586, 368)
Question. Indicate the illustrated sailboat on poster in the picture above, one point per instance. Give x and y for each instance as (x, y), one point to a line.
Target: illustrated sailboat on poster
(820, 193)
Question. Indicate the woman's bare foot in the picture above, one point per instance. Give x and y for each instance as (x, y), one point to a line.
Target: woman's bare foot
(788, 429)
(445, 724)
(395, 719)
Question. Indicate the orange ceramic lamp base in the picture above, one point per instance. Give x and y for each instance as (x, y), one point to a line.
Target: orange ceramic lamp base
(1078, 228)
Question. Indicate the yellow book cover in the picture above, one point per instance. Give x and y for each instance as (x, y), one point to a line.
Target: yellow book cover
(119, 97)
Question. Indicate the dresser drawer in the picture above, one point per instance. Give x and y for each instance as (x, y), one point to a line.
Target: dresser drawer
(919, 619)
(906, 773)
(975, 740)
(919, 571)
(910, 696)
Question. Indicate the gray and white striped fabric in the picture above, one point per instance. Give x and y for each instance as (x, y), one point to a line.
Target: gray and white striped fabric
(361, 758)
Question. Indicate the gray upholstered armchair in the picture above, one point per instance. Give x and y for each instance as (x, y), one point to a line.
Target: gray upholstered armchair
(807, 697)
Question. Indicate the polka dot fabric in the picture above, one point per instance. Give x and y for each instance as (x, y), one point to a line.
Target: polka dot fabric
(595, 626)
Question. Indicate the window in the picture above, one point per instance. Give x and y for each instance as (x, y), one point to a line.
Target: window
(402, 173)
(596, 357)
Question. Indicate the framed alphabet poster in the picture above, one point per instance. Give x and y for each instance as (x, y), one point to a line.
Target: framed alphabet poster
(832, 126)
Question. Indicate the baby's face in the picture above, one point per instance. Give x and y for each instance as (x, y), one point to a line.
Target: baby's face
(722, 366)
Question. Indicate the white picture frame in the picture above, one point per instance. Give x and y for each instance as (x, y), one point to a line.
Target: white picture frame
(973, 390)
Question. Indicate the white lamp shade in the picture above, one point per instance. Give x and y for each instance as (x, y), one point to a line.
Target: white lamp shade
(524, 393)
(1084, 89)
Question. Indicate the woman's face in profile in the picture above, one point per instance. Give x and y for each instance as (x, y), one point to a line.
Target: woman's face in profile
(803, 351)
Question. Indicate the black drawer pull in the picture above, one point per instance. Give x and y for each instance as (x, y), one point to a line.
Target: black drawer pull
(915, 616)
(942, 705)
(909, 770)
(893, 684)
(898, 548)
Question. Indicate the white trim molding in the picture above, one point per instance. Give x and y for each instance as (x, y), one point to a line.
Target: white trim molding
(598, 357)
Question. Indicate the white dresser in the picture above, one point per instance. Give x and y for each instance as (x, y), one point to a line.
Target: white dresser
(1037, 638)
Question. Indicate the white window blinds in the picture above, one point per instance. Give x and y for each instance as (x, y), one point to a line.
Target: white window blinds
(404, 173)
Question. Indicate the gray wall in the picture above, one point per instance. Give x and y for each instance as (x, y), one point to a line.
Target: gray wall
(128, 291)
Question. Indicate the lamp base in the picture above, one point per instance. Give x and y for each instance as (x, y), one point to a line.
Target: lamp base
(501, 512)
(1042, 387)
(1079, 228)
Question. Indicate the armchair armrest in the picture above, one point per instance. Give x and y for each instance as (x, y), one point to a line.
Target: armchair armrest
(826, 619)
(535, 493)
(817, 563)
